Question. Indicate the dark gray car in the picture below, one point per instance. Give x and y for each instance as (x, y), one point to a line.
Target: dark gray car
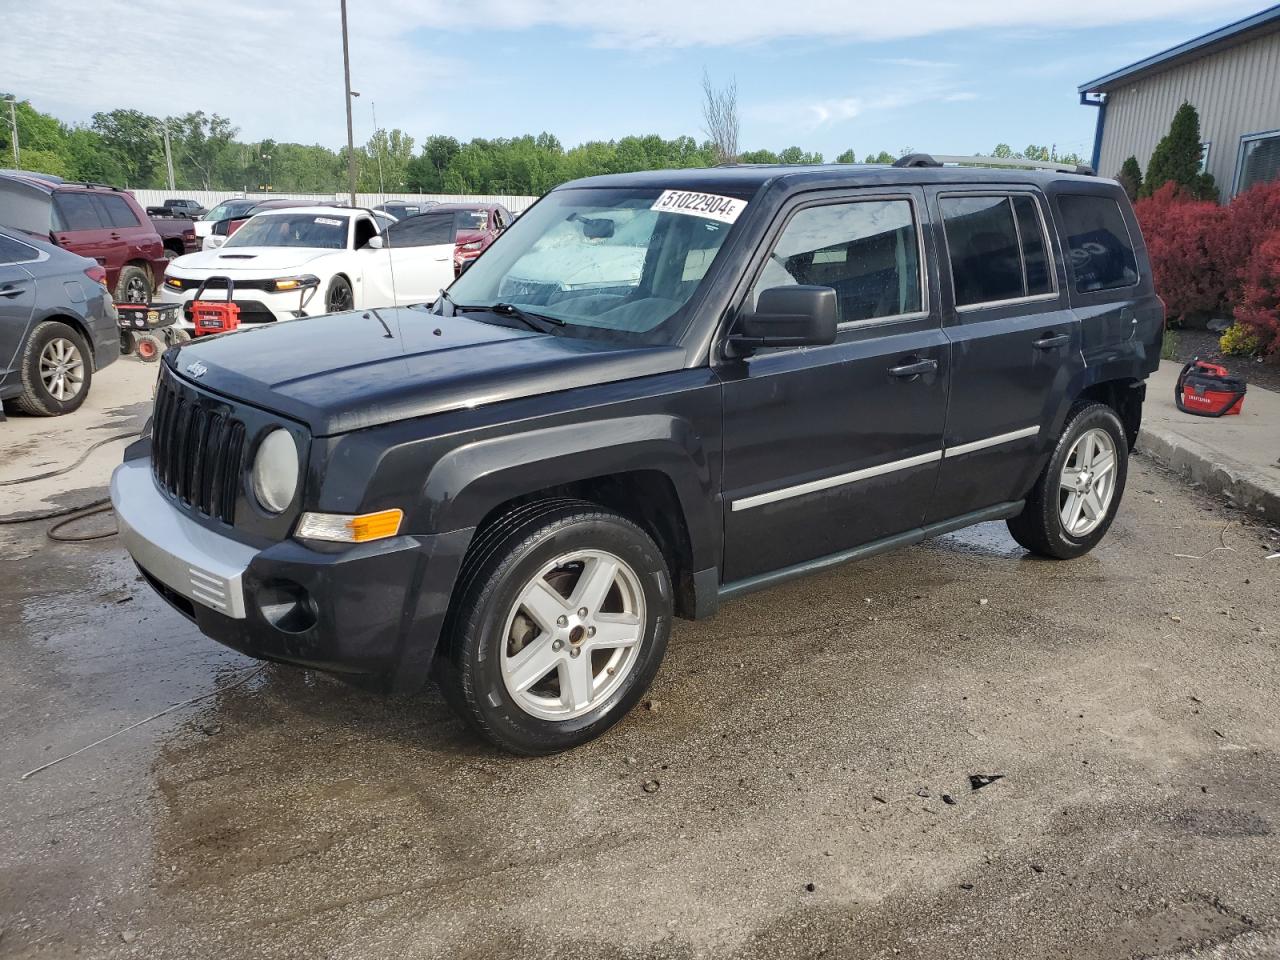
(57, 325)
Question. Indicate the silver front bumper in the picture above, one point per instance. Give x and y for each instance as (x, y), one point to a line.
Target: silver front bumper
(189, 559)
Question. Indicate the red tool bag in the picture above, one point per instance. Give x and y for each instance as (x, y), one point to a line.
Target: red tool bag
(1208, 390)
(215, 316)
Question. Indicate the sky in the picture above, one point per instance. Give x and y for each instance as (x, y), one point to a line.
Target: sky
(826, 75)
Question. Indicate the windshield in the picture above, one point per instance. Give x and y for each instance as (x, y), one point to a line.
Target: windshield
(229, 209)
(607, 262)
(292, 230)
(471, 219)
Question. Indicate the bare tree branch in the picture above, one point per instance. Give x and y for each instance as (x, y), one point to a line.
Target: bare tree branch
(720, 114)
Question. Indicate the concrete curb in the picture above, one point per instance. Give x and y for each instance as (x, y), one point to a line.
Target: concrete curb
(1247, 486)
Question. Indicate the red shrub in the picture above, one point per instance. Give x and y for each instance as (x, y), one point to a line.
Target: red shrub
(1184, 242)
(1252, 218)
(1259, 306)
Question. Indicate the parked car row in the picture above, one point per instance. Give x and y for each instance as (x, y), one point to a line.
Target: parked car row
(276, 258)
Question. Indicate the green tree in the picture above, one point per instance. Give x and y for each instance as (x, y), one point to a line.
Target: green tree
(758, 156)
(847, 157)
(130, 137)
(796, 155)
(1178, 157)
(884, 156)
(1130, 177)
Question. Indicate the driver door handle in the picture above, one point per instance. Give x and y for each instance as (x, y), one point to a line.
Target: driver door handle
(1053, 341)
(915, 368)
(12, 290)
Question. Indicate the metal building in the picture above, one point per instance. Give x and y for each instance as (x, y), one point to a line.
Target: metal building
(1230, 75)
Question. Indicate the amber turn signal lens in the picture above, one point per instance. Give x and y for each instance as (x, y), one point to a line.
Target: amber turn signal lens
(340, 528)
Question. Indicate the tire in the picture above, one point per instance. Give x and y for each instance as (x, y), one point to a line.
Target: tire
(54, 346)
(337, 297)
(149, 347)
(1076, 470)
(568, 687)
(133, 285)
(174, 335)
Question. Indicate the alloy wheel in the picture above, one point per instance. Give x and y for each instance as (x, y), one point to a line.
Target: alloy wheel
(61, 369)
(135, 290)
(573, 635)
(1088, 482)
(339, 299)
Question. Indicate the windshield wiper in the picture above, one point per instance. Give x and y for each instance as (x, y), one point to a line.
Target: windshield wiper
(531, 320)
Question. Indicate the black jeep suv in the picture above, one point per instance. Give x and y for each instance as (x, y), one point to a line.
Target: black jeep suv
(654, 392)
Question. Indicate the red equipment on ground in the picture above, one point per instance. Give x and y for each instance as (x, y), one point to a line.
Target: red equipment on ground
(1208, 390)
(215, 316)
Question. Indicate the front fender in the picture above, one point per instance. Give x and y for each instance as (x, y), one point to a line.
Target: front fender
(468, 482)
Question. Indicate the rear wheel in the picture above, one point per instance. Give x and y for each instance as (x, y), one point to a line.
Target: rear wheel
(56, 370)
(562, 619)
(1074, 501)
(133, 285)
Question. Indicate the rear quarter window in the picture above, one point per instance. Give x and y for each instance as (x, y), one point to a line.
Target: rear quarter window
(1099, 248)
(117, 212)
(25, 209)
(12, 251)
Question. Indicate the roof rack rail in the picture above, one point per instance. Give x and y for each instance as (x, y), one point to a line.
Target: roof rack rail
(939, 159)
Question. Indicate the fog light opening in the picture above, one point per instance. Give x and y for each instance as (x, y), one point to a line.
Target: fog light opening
(287, 606)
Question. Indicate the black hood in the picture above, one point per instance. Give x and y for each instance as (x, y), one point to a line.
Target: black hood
(352, 370)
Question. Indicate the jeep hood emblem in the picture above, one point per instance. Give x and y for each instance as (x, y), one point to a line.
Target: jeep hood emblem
(197, 369)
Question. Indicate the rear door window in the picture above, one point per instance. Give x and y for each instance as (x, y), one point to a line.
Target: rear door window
(997, 249)
(77, 211)
(117, 212)
(1098, 243)
(424, 230)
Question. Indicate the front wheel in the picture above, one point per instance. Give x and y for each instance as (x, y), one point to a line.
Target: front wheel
(338, 297)
(560, 624)
(1074, 501)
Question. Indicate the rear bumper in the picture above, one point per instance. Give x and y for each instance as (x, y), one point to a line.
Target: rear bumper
(374, 609)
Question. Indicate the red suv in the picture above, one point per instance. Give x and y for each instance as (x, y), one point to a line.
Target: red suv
(96, 221)
(476, 225)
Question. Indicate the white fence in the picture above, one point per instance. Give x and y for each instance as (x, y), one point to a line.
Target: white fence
(207, 198)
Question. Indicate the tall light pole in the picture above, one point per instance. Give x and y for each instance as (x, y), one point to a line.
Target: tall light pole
(346, 75)
(168, 154)
(13, 122)
(377, 145)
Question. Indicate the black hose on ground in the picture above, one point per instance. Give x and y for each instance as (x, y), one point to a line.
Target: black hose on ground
(69, 515)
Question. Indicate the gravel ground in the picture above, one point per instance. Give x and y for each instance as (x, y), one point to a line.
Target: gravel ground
(1204, 344)
(814, 749)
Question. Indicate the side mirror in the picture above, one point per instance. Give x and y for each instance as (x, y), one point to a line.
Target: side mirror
(375, 242)
(799, 316)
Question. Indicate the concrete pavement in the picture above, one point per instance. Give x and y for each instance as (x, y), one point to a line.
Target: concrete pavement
(1236, 457)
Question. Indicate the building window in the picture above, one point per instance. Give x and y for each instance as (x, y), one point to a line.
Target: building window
(1259, 159)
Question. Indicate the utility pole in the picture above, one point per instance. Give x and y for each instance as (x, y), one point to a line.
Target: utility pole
(168, 154)
(346, 74)
(377, 145)
(13, 122)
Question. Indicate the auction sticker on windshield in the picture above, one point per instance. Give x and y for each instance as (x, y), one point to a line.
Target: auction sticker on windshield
(709, 206)
(329, 221)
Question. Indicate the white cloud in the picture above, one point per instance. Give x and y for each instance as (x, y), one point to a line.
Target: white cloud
(275, 68)
(716, 23)
(808, 115)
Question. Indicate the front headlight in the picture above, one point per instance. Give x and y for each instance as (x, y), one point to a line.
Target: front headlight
(295, 283)
(275, 471)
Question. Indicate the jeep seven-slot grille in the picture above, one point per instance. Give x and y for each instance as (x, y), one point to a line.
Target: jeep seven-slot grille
(196, 452)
